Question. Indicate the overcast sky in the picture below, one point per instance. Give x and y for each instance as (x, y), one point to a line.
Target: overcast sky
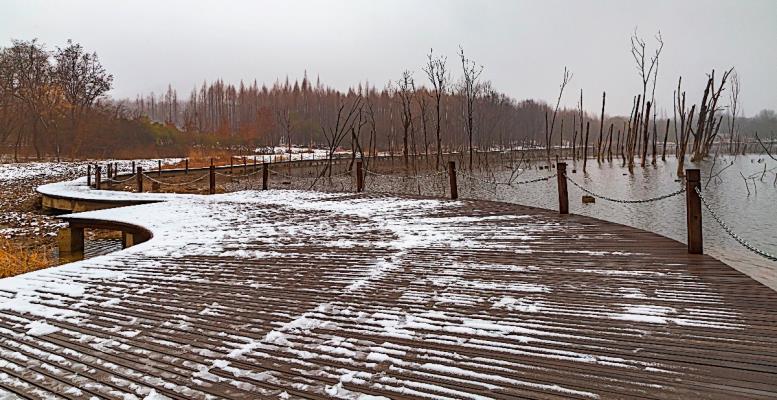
(523, 45)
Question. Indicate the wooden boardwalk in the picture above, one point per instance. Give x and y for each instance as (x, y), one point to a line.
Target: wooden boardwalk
(298, 295)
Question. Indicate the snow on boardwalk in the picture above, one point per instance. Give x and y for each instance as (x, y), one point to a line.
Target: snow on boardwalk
(286, 294)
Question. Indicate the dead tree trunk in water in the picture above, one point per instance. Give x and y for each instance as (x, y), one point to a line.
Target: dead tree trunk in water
(666, 135)
(574, 136)
(601, 131)
(609, 144)
(645, 134)
(585, 148)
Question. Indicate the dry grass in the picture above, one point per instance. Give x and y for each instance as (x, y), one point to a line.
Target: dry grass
(199, 158)
(17, 259)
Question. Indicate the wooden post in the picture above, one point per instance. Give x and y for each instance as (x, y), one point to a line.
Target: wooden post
(693, 211)
(563, 195)
(97, 173)
(254, 170)
(186, 167)
(231, 165)
(359, 177)
(265, 175)
(159, 168)
(245, 166)
(89, 175)
(110, 172)
(133, 166)
(211, 161)
(212, 185)
(139, 178)
(452, 177)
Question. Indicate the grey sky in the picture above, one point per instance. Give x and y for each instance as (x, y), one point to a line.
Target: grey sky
(523, 45)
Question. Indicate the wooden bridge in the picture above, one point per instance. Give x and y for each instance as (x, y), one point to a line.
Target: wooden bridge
(288, 294)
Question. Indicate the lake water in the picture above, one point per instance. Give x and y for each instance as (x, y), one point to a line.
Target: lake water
(753, 216)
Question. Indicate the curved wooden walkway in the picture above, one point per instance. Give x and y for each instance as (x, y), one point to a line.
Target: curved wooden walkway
(285, 294)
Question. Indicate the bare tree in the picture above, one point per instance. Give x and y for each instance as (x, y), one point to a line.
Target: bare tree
(470, 90)
(27, 66)
(346, 115)
(645, 70)
(423, 107)
(707, 125)
(83, 80)
(549, 130)
(733, 107)
(439, 77)
(686, 130)
(406, 93)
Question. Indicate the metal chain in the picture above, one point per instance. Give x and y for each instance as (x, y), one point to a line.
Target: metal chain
(731, 233)
(545, 178)
(123, 180)
(174, 184)
(272, 171)
(239, 175)
(662, 197)
(416, 177)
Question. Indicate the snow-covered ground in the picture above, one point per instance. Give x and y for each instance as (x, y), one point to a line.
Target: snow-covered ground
(20, 216)
(13, 172)
(293, 292)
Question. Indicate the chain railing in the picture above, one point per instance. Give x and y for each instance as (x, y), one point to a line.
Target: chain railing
(730, 232)
(257, 171)
(177, 183)
(129, 178)
(517, 183)
(415, 177)
(316, 176)
(639, 201)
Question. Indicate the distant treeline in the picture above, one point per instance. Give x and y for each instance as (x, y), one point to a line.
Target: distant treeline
(54, 103)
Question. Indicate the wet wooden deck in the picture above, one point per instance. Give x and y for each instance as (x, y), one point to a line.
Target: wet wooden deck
(459, 300)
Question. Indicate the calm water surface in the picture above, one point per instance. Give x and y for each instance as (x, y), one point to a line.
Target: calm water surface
(753, 216)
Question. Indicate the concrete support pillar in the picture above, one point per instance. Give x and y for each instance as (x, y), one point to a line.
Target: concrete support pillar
(71, 241)
(127, 240)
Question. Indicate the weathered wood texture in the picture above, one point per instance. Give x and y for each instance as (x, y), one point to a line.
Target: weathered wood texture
(519, 303)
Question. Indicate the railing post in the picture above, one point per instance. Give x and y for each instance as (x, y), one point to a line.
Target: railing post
(359, 177)
(254, 170)
(139, 178)
(245, 166)
(265, 175)
(133, 166)
(212, 180)
(97, 173)
(231, 165)
(563, 195)
(693, 211)
(109, 175)
(186, 166)
(89, 175)
(159, 168)
(452, 177)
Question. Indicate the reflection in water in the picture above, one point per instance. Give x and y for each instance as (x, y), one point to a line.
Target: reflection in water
(92, 248)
